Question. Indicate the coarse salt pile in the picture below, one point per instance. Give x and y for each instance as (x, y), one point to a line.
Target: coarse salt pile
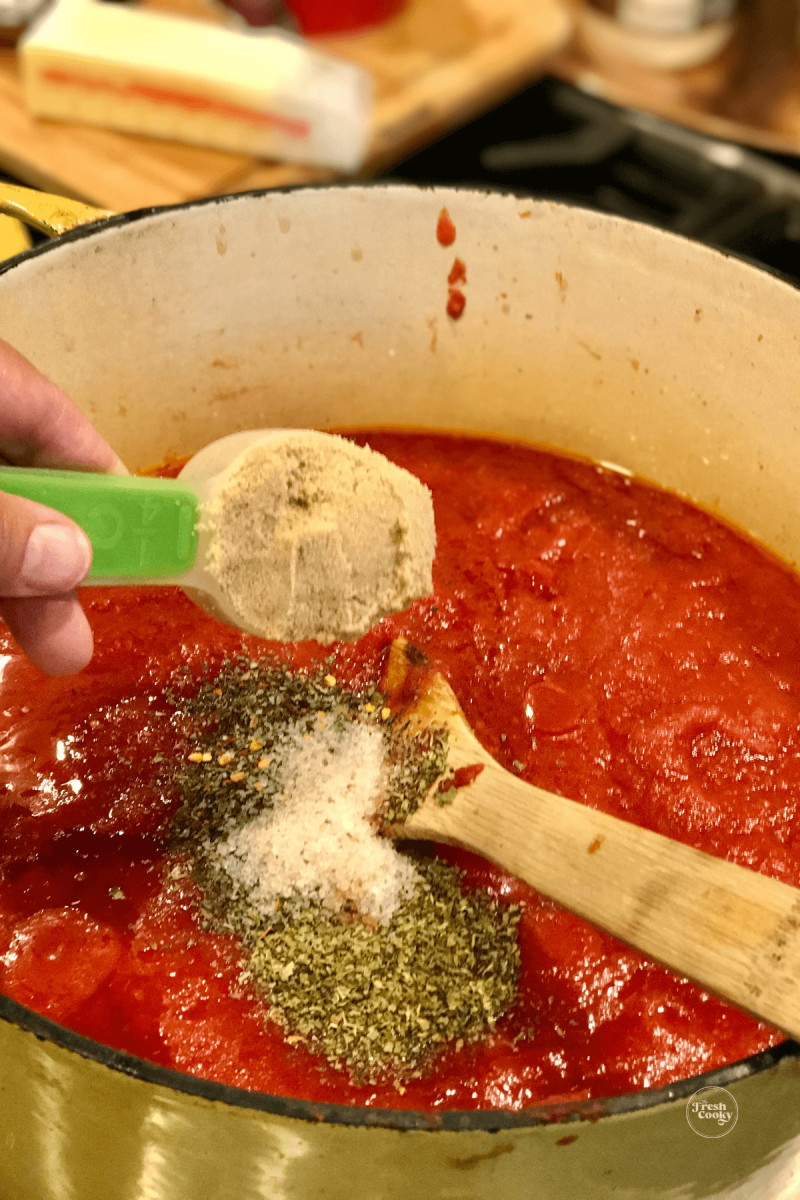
(318, 841)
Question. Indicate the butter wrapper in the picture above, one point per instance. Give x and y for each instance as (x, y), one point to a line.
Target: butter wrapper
(264, 94)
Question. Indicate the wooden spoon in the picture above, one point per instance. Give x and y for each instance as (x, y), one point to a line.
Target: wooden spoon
(732, 930)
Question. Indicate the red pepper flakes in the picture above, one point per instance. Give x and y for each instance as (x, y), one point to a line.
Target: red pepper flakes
(445, 229)
(456, 303)
(458, 273)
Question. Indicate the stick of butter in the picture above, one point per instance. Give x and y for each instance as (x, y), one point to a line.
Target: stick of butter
(265, 94)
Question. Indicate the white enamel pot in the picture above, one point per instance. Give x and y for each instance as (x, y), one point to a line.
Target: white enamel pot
(325, 308)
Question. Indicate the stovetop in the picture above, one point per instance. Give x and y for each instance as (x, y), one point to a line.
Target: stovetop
(555, 142)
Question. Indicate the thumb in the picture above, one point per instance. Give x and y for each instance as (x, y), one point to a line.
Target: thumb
(42, 552)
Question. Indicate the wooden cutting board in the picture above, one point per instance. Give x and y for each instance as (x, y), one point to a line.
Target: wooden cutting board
(435, 66)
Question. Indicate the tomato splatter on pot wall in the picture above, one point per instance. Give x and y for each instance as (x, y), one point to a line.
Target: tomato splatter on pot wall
(456, 303)
(445, 229)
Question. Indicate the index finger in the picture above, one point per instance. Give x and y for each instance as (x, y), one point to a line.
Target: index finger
(41, 427)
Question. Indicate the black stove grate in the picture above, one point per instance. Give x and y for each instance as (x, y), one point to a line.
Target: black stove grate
(556, 142)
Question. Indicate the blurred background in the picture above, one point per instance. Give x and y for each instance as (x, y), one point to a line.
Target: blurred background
(681, 113)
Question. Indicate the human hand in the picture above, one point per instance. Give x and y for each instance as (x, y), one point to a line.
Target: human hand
(43, 554)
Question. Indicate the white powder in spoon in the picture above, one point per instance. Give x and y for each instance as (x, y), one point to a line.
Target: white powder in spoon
(315, 537)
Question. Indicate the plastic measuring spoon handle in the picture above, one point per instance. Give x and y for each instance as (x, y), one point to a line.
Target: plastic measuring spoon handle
(139, 527)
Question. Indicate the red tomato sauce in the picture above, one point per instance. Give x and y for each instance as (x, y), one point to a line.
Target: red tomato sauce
(606, 640)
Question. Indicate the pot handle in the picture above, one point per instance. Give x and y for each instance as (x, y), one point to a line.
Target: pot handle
(51, 215)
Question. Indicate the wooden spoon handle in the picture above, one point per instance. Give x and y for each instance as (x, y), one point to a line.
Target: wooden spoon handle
(730, 929)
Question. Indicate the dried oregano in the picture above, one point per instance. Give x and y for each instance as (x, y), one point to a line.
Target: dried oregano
(382, 999)
(376, 998)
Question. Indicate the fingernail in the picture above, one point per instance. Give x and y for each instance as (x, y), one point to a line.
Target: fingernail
(57, 558)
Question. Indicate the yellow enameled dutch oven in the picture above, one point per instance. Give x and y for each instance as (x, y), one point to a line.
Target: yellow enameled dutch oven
(171, 327)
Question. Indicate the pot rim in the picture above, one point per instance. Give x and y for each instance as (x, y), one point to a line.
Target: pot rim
(487, 1120)
(137, 214)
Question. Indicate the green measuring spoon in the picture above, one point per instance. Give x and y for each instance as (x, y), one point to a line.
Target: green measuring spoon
(143, 530)
(139, 528)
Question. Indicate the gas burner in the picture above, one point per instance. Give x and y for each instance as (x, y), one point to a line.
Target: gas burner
(555, 142)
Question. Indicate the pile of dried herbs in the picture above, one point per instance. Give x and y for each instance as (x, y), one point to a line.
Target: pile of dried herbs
(383, 999)
(230, 775)
(378, 999)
